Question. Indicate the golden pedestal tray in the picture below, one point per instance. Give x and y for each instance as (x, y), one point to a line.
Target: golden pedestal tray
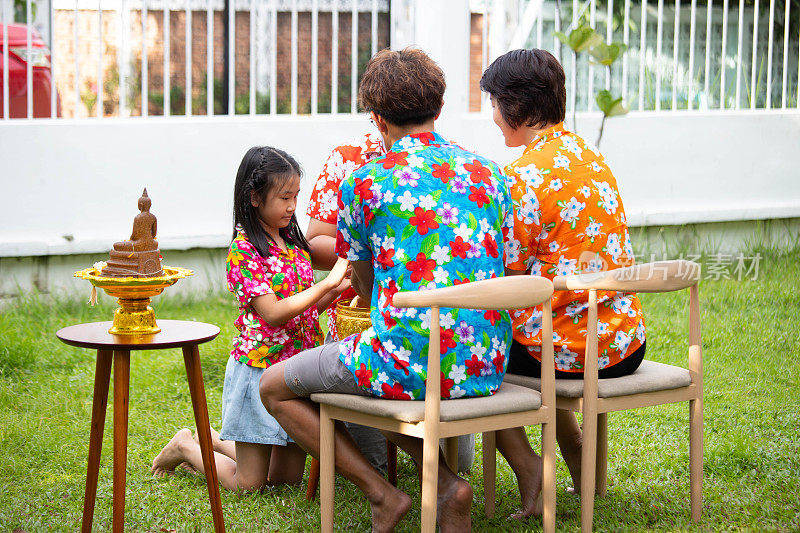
(134, 315)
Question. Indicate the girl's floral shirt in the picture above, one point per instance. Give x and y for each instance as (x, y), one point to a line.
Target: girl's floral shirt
(568, 219)
(428, 214)
(282, 274)
(322, 206)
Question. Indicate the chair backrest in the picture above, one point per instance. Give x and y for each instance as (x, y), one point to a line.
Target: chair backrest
(510, 292)
(659, 276)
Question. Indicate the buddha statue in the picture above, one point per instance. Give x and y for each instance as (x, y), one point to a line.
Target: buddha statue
(139, 256)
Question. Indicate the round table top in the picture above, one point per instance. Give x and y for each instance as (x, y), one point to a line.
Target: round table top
(173, 334)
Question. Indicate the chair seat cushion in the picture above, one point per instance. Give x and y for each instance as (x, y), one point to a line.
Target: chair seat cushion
(509, 398)
(649, 377)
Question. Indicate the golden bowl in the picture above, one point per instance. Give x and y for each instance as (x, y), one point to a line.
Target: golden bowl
(351, 320)
(134, 315)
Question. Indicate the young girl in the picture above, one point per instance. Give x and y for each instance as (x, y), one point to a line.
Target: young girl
(269, 271)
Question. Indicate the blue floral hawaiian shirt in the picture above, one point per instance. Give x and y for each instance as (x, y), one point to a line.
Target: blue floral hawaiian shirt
(427, 214)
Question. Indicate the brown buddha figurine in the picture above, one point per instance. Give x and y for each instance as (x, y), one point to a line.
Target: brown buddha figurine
(138, 257)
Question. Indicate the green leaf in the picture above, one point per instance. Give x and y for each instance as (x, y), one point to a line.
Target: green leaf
(473, 222)
(428, 243)
(408, 231)
(389, 229)
(581, 38)
(417, 328)
(610, 106)
(396, 211)
(448, 362)
(606, 54)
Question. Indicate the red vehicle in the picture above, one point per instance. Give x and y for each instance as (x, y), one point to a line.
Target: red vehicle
(18, 58)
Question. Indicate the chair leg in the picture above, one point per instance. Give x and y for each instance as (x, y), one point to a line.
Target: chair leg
(549, 476)
(696, 457)
(588, 472)
(326, 460)
(602, 454)
(430, 475)
(489, 472)
(391, 462)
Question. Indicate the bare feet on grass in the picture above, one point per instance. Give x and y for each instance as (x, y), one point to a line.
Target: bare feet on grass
(388, 509)
(530, 493)
(453, 507)
(572, 457)
(172, 454)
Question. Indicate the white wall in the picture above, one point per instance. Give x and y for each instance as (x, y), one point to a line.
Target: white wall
(80, 180)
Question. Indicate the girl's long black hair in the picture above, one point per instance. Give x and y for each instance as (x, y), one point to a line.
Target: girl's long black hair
(262, 169)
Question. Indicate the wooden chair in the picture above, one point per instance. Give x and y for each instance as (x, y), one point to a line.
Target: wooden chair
(652, 384)
(511, 406)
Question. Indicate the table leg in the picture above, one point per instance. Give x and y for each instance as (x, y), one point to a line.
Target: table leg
(102, 375)
(194, 373)
(122, 367)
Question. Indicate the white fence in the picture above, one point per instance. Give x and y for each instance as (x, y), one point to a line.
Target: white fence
(305, 56)
(682, 55)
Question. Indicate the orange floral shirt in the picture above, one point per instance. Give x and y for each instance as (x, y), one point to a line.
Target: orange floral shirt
(323, 204)
(568, 218)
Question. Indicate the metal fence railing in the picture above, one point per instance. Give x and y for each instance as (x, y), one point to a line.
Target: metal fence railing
(682, 54)
(123, 58)
(120, 58)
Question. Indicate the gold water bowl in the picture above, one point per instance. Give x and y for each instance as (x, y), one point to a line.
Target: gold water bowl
(351, 320)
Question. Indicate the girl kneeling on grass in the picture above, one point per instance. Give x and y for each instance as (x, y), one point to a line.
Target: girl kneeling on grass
(269, 271)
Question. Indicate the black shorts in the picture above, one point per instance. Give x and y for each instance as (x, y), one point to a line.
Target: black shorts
(521, 362)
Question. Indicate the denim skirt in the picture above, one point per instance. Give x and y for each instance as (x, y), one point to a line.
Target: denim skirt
(244, 417)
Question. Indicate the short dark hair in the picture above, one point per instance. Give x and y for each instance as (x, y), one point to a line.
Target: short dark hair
(405, 87)
(528, 86)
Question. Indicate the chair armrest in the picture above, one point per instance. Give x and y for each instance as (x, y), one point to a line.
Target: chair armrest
(659, 276)
(511, 292)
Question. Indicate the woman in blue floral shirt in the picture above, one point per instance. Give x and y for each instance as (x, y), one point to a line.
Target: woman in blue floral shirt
(427, 214)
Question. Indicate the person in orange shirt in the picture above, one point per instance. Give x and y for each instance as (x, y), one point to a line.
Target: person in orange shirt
(568, 218)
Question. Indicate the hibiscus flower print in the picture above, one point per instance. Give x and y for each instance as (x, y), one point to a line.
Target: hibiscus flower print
(407, 202)
(613, 247)
(565, 266)
(421, 268)
(532, 176)
(571, 210)
(406, 176)
(561, 161)
(449, 214)
(565, 358)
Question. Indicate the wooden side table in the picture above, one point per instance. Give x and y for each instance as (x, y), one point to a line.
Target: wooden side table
(174, 334)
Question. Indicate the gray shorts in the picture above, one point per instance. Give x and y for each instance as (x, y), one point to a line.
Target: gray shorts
(320, 370)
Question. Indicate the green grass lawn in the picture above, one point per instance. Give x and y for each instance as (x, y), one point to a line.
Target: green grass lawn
(752, 425)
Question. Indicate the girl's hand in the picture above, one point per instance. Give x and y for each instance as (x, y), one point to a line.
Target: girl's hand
(343, 286)
(338, 274)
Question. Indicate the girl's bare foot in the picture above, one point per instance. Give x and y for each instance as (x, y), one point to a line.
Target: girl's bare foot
(388, 509)
(188, 467)
(453, 507)
(172, 454)
(225, 447)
